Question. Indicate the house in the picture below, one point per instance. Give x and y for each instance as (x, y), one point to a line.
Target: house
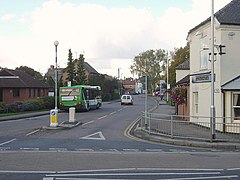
(51, 73)
(17, 85)
(89, 70)
(226, 67)
(129, 86)
(182, 80)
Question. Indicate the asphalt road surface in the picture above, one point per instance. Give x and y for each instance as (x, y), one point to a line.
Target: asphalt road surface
(100, 149)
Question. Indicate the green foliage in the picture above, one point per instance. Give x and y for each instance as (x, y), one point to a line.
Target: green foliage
(110, 86)
(31, 72)
(178, 57)
(70, 67)
(179, 94)
(28, 105)
(149, 63)
(80, 77)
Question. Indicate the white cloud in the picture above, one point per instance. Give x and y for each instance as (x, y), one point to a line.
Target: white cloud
(7, 17)
(110, 37)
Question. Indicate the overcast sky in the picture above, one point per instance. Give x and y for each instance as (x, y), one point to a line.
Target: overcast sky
(109, 32)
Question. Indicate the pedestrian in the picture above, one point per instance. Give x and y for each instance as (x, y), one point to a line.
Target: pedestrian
(161, 95)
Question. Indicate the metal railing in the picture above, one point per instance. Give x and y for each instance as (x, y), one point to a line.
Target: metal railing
(190, 127)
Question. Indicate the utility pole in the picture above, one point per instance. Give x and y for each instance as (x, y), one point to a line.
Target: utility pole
(212, 108)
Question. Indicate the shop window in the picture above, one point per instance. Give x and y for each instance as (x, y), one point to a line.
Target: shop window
(236, 106)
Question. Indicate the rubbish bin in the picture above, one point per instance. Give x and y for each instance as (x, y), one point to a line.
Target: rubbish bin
(53, 117)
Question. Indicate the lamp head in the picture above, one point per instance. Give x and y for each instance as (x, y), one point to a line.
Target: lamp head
(56, 43)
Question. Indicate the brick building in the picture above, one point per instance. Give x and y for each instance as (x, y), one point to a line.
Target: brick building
(18, 86)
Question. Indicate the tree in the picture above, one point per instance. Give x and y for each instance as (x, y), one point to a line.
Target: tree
(81, 77)
(149, 63)
(178, 57)
(109, 85)
(31, 72)
(70, 68)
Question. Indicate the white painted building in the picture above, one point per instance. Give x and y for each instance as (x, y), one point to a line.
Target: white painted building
(227, 66)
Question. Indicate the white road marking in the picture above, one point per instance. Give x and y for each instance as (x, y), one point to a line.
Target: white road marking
(88, 150)
(120, 109)
(88, 123)
(133, 150)
(58, 149)
(211, 177)
(102, 117)
(8, 141)
(154, 150)
(30, 149)
(99, 134)
(132, 174)
(112, 112)
(28, 134)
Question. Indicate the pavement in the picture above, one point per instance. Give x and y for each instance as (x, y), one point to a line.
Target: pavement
(163, 108)
(135, 132)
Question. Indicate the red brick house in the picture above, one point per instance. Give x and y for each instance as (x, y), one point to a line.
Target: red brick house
(129, 86)
(17, 85)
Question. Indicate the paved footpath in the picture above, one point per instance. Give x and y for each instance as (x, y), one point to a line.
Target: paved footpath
(179, 128)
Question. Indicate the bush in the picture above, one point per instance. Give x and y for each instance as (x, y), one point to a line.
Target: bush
(3, 108)
(12, 108)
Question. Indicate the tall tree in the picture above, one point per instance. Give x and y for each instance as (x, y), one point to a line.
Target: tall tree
(70, 68)
(81, 77)
(178, 57)
(150, 62)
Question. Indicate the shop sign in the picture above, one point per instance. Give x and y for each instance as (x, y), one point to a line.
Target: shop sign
(201, 78)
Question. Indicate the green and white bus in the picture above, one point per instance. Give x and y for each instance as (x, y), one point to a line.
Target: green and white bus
(82, 97)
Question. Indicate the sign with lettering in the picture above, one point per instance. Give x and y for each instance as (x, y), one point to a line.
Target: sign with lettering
(202, 78)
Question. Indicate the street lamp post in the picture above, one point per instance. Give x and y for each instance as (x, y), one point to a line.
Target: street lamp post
(56, 43)
(212, 108)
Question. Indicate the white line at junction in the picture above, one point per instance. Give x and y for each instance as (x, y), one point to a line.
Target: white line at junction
(7, 142)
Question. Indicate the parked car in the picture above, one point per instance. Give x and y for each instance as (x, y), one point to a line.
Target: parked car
(126, 99)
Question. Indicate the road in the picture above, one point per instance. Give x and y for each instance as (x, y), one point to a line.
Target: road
(99, 148)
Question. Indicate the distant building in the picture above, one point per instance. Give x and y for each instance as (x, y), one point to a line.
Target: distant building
(89, 70)
(62, 72)
(129, 86)
(17, 85)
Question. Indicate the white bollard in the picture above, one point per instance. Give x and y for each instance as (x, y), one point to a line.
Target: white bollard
(72, 115)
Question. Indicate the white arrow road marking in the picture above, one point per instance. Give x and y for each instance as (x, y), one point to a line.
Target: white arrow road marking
(93, 136)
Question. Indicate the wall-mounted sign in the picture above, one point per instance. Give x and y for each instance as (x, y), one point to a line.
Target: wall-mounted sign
(202, 78)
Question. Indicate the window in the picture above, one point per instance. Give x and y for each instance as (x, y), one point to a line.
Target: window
(16, 92)
(236, 106)
(195, 102)
(204, 54)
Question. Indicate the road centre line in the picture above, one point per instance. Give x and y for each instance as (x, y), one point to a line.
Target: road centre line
(102, 117)
(8, 141)
(88, 123)
(28, 134)
(112, 112)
